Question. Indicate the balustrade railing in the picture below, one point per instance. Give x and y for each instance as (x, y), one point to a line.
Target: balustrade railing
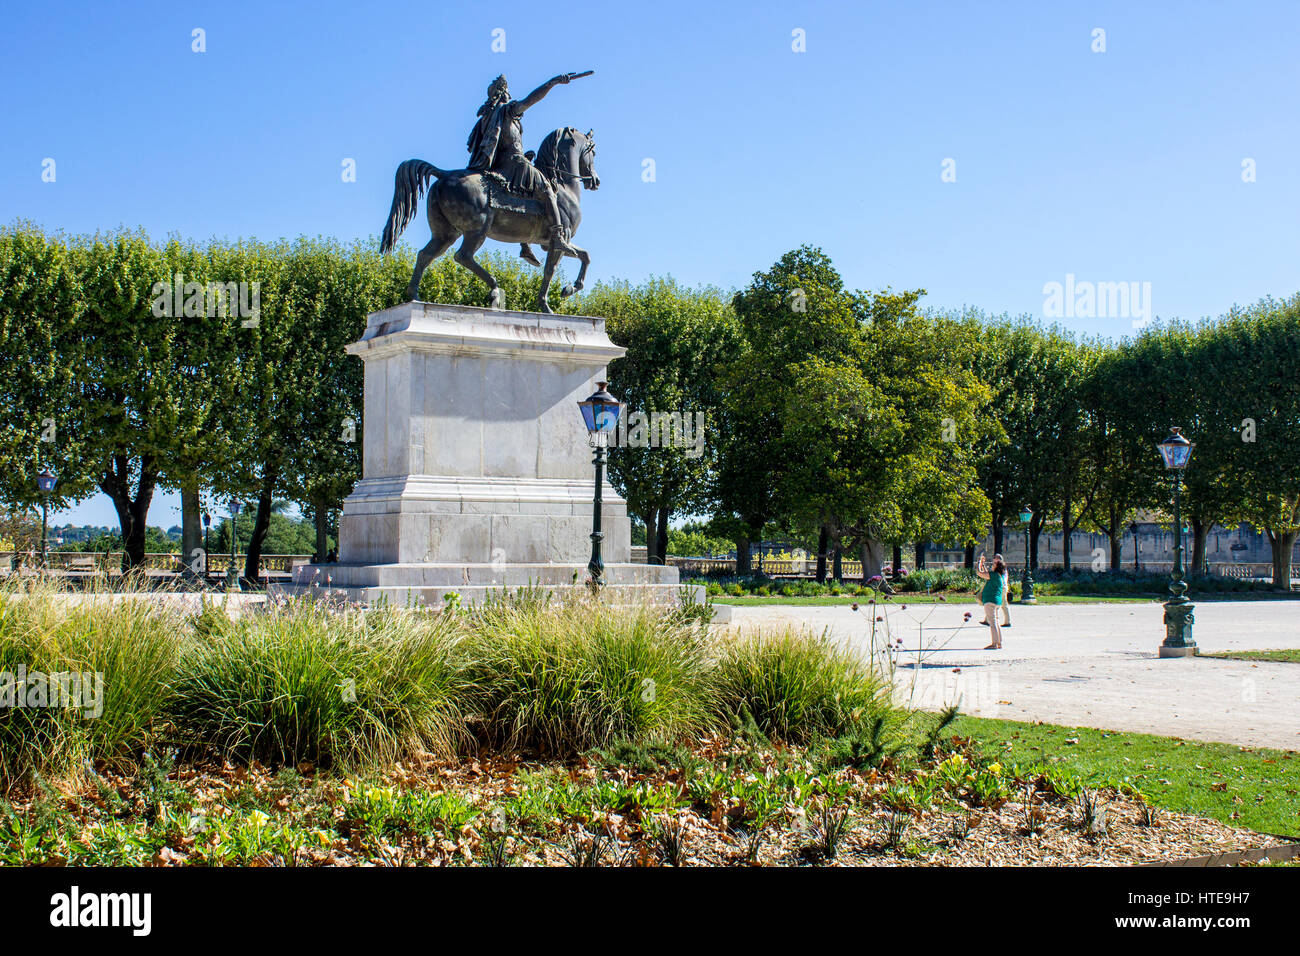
(110, 562)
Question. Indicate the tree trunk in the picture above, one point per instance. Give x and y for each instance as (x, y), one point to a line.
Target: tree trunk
(897, 558)
(998, 529)
(920, 555)
(1067, 531)
(968, 559)
(132, 513)
(191, 531)
(1035, 528)
(253, 562)
(838, 570)
(869, 554)
(823, 542)
(1282, 543)
(1116, 539)
(651, 536)
(742, 556)
(1200, 531)
(664, 514)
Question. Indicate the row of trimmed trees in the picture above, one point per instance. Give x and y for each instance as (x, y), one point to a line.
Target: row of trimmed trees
(216, 370)
(852, 418)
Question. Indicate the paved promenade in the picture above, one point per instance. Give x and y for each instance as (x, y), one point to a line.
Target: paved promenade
(1091, 665)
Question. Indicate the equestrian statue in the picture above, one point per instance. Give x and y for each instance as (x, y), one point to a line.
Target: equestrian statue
(503, 194)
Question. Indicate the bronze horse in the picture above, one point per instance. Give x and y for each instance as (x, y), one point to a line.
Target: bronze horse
(479, 206)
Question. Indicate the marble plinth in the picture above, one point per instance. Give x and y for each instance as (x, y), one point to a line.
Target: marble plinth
(477, 474)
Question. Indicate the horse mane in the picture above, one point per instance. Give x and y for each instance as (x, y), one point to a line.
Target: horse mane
(549, 152)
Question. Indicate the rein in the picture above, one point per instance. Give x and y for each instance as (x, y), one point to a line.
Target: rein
(559, 172)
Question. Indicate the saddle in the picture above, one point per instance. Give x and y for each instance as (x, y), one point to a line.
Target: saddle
(501, 196)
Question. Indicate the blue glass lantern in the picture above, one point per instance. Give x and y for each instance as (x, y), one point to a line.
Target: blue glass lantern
(1176, 450)
(1026, 514)
(45, 480)
(600, 413)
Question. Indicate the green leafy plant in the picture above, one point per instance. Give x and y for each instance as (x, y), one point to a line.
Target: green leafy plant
(586, 849)
(1092, 812)
(797, 688)
(669, 835)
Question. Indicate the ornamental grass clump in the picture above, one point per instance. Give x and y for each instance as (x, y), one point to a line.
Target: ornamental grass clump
(82, 679)
(797, 688)
(567, 678)
(303, 683)
(284, 683)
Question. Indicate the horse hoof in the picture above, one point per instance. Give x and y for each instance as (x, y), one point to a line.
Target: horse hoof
(567, 291)
(498, 300)
(544, 307)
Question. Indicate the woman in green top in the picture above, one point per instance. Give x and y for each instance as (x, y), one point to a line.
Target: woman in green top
(992, 596)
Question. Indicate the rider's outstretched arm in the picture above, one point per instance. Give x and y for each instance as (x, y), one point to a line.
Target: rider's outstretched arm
(535, 97)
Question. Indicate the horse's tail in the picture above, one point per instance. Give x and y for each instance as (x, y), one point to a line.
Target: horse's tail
(408, 186)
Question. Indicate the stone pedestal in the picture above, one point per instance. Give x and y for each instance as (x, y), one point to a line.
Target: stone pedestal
(477, 474)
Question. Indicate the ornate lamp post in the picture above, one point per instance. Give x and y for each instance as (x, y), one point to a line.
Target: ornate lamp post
(207, 521)
(1177, 452)
(1133, 530)
(45, 482)
(1027, 579)
(232, 573)
(600, 415)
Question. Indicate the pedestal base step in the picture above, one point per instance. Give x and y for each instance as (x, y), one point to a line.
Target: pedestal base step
(659, 595)
(428, 585)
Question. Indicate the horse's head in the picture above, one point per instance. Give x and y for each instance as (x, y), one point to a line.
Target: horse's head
(567, 154)
(587, 159)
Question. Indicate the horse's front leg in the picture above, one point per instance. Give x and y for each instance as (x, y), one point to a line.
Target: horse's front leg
(581, 256)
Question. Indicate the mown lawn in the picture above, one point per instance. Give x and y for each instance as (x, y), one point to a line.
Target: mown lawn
(1251, 787)
(1285, 655)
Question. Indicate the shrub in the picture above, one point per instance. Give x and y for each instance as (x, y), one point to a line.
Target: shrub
(126, 640)
(301, 683)
(797, 688)
(306, 681)
(939, 579)
(564, 679)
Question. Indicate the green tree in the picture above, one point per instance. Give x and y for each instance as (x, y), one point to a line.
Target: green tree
(325, 455)
(679, 341)
(1118, 445)
(40, 305)
(800, 326)
(1035, 457)
(200, 413)
(919, 480)
(128, 383)
(1264, 344)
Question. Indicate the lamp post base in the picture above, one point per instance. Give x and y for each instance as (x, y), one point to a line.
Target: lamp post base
(1180, 615)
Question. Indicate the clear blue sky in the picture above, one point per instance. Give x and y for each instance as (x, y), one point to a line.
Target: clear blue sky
(1117, 166)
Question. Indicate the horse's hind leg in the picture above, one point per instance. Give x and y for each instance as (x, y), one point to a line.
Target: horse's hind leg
(465, 256)
(553, 257)
(444, 234)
